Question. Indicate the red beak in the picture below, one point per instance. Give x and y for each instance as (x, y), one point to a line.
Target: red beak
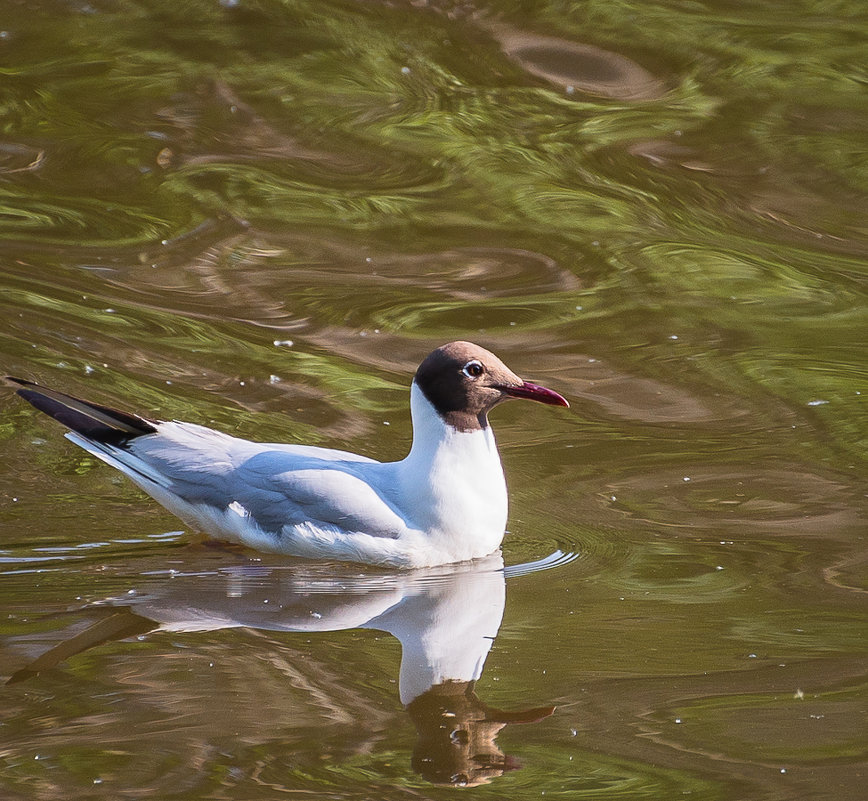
(537, 393)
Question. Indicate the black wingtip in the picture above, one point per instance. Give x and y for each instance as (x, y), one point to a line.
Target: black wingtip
(91, 420)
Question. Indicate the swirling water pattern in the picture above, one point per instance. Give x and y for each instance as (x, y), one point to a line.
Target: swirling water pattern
(260, 215)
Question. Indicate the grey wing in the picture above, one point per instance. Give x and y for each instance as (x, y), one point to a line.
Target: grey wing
(276, 485)
(331, 493)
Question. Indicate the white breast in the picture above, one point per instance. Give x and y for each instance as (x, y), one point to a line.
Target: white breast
(451, 483)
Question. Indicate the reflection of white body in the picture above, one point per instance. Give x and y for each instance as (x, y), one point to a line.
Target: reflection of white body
(447, 631)
(446, 619)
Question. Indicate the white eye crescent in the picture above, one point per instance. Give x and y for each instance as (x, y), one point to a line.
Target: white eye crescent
(473, 369)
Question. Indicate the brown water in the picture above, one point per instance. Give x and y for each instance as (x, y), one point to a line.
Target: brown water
(260, 215)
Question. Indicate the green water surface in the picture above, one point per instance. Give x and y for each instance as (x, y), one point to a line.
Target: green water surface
(259, 215)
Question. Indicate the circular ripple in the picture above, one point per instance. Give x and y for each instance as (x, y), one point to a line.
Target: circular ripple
(792, 501)
(577, 66)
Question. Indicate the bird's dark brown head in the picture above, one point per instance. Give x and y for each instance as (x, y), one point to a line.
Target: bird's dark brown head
(464, 382)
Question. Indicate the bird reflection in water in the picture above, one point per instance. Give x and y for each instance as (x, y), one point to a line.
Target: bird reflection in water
(457, 735)
(445, 618)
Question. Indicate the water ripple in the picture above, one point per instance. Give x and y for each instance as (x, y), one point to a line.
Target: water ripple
(577, 67)
(731, 500)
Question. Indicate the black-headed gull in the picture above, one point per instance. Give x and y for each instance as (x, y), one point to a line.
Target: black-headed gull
(444, 502)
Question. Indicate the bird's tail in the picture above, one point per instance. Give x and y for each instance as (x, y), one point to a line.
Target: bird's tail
(99, 424)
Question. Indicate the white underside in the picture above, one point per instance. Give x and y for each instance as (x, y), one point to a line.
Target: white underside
(445, 502)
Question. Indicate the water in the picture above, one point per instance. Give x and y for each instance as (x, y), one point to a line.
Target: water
(260, 216)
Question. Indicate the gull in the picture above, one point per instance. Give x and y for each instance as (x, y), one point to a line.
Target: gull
(446, 501)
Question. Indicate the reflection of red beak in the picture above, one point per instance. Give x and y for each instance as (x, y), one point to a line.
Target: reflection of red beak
(522, 716)
(537, 393)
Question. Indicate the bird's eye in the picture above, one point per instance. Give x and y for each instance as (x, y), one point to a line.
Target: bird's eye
(473, 369)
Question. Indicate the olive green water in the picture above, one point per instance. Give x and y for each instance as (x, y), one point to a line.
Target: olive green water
(260, 215)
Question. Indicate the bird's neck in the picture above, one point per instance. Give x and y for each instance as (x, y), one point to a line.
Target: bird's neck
(454, 477)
